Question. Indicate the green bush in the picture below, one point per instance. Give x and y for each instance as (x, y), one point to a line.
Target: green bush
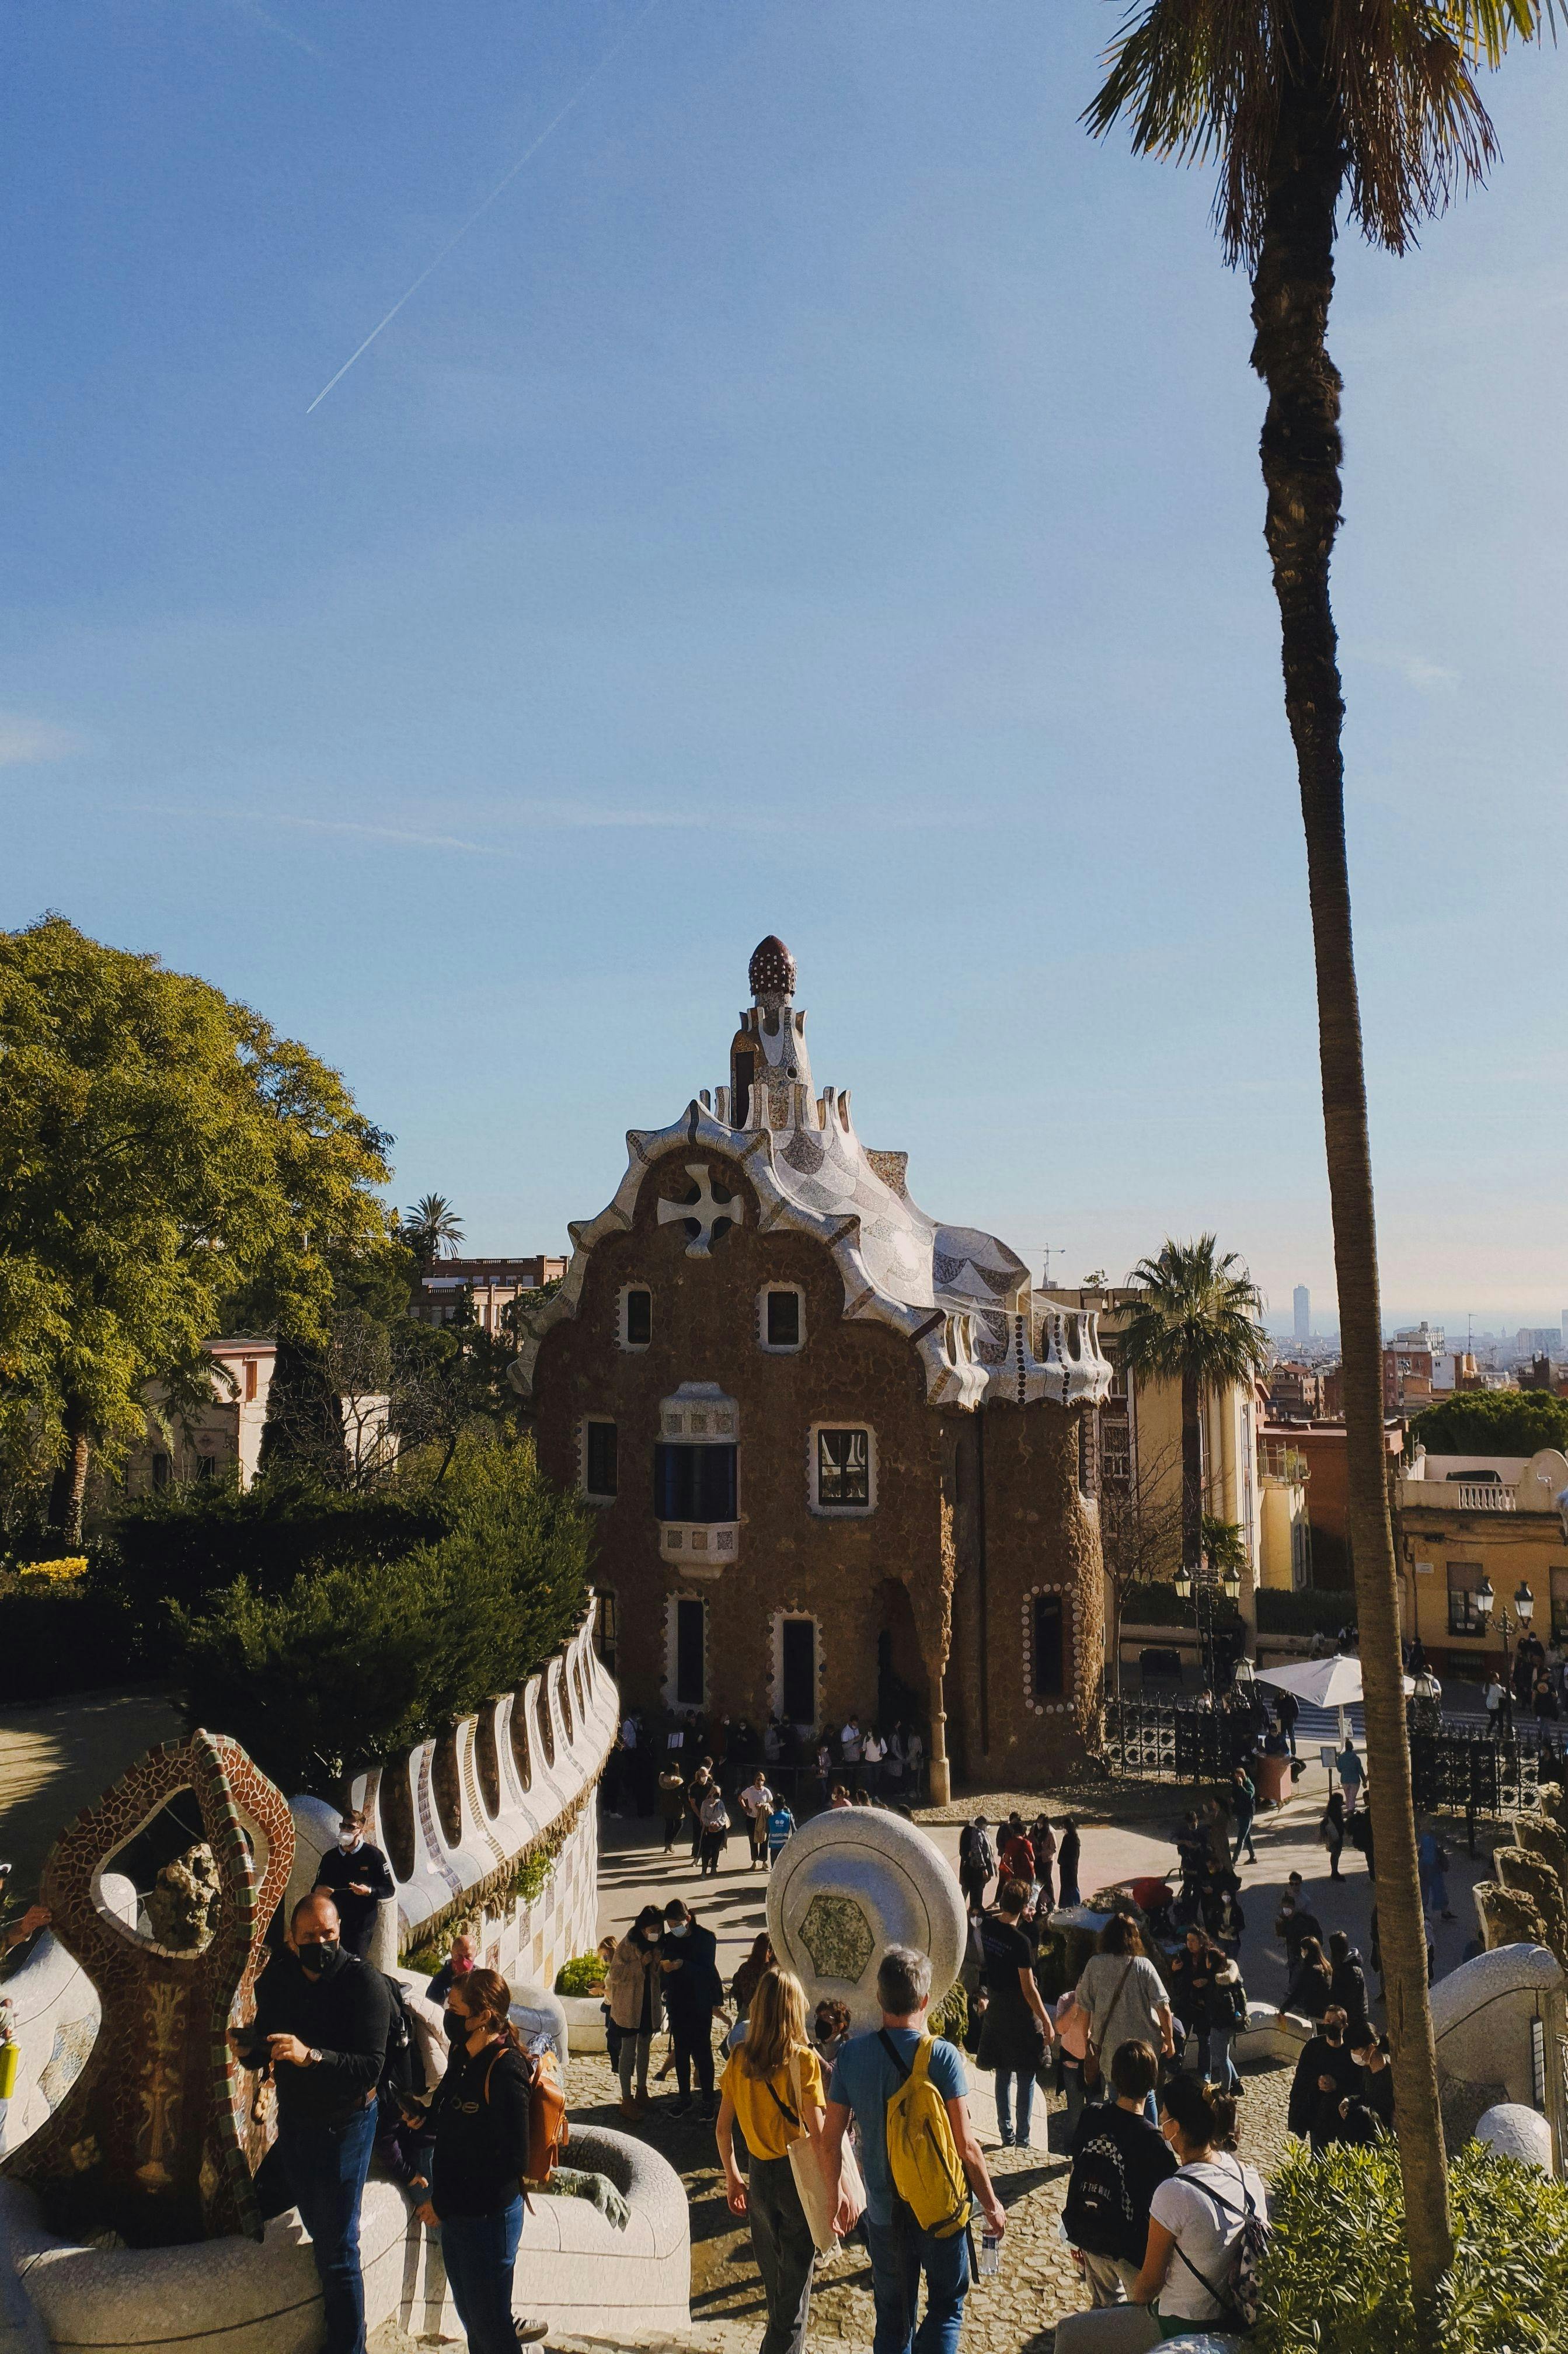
(355, 1660)
(1336, 2279)
(584, 1974)
(1160, 1604)
(1314, 1611)
(1492, 1422)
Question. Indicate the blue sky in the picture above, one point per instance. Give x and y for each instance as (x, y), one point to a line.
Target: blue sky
(818, 495)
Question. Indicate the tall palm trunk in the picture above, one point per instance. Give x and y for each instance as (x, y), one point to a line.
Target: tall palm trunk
(70, 1485)
(1191, 1473)
(1301, 451)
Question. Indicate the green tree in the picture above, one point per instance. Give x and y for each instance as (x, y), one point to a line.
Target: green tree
(1493, 1422)
(160, 1146)
(1301, 102)
(356, 1656)
(432, 1229)
(1196, 1322)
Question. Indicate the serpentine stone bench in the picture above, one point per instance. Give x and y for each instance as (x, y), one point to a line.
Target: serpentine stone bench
(236, 2296)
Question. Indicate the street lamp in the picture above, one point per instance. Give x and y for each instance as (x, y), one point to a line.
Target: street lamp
(1508, 1623)
(1208, 1585)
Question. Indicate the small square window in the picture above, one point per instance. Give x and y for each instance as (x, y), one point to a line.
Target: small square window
(843, 1469)
(600, 1460)
(638, 1326)
(783, 1320)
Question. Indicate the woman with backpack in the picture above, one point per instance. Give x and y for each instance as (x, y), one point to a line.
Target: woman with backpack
(480, 2117)
(1206, 2227)
(773, 2090)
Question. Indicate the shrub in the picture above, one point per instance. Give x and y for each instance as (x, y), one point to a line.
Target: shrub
(55, 1637)
(1336, 2279)
(1160, 1604)
(1314, 1611)
(355, 1660)
(584, 1974)
(1492, 1422)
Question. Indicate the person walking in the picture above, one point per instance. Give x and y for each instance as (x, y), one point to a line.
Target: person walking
(977, 1865)
(323, 2017)
(1243, 1804)
(1369, 2052)
(1287, 1709)
(1123, 1996)
(873, 1750)
(1196, 2219)
(756, 1803)
(633, 1986)
(1017, 1851)
(1294, 1924)
(1072, 2050)
(749, 1974)
(1224, 2016)
(1016, 2032)
(1348, 1986)
(358, 1879)
(1191, 1863)
(773, 2090)
(699, 1790)
(1432, 1862)
(867, 2074)
(1351, 1774)
(1043, 1840)
(849, 1743)
(693, 1991)
(672, 1801)
(460, 1959)
(478, 2117)
(1326, 2074)
(1331, 1831)
(1191, 1968)
(777, 1831)
(1119, 2160)
(714, 1823)
(1067, 1851)
(1312, 1987)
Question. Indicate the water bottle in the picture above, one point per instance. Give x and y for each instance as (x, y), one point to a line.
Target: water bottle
(989, 2253)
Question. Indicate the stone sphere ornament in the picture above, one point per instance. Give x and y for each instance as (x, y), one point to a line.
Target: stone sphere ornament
(850, 1883)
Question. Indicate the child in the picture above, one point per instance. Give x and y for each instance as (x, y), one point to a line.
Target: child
(830, 2030)
(780, 1824)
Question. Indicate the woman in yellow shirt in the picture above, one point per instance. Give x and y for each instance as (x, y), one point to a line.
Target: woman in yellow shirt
(773, 2089)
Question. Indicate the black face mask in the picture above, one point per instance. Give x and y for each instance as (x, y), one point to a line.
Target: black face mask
(456, 2026)
(319, 1961)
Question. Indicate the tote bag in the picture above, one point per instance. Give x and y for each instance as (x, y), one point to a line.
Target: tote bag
(810, 2184)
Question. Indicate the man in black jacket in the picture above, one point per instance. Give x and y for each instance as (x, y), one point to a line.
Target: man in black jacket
(320, 2025)
(693, 1991)
(358, 1879)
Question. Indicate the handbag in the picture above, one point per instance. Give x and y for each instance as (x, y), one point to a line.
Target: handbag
(810, 2184)
(1092, 2055)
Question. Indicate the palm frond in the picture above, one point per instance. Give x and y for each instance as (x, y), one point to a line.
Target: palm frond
(1196, 1318)
(1202, 82)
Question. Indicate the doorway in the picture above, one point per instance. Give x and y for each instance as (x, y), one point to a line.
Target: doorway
(798, 1671)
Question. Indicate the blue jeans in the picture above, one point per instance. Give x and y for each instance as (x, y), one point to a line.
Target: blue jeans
(326, 2167)
(900, 2252)
(479, 2252)
(1004, 2082)
(1223, 2070)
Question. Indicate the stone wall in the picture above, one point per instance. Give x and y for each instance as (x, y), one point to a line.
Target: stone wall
(471, 1824)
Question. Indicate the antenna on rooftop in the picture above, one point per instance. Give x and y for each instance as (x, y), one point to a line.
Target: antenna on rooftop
(1050, 1251)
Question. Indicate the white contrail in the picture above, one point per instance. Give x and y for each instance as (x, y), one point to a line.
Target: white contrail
(501, 187)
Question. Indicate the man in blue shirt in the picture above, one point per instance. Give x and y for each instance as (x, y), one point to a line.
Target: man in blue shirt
(864, 2080)
(779, 1826)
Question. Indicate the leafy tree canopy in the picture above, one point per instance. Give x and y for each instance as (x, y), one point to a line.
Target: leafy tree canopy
(367, 1650)
(160, 1147)
(1493, 1422)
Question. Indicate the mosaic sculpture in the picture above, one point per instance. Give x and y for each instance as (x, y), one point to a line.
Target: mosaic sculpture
(849, 1884)
(156, 2139)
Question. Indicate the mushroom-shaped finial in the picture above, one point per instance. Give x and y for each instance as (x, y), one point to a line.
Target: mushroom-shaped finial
(771, 971)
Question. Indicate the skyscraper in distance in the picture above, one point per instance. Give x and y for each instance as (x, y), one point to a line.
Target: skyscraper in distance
(1303, 1312)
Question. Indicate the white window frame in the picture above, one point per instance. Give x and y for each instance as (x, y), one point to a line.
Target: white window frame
(840, 1511)
(779, 1348)
(594, 1495)
(634, 1348)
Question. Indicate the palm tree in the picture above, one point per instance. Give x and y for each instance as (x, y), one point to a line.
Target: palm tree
(1196, 1323)
(432, 1229)
(1300, 102)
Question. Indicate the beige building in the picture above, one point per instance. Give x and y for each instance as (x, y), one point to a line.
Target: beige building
(223, 1437)
(1140, 1440)
(491, 1284)
(1463, 1518)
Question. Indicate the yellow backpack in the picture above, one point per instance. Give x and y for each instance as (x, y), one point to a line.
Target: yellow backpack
(922, 2154)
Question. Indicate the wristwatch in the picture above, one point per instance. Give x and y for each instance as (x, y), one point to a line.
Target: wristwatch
(315, 2057)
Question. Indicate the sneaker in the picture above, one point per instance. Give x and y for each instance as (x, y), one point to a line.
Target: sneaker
(530, 2333)
(1007, 2141)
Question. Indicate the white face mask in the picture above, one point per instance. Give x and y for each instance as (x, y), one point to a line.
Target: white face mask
(677, 1929)
(348, 1841)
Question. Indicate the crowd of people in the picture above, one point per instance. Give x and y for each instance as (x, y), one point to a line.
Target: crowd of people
(660, 1755)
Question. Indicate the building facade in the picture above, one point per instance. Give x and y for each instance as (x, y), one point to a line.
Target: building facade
(488, 1285)
(1460, 1518)
(843, 1457)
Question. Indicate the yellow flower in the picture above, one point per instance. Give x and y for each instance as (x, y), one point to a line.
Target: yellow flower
(75, 1566)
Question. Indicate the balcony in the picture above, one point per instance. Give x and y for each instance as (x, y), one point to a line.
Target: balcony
(1282, 1466)
(702, 1549)
(1458, 1495)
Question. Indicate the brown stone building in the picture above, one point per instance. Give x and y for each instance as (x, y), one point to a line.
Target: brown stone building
(842, 1455)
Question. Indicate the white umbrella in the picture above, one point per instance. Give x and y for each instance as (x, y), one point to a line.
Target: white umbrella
(1324, 1683)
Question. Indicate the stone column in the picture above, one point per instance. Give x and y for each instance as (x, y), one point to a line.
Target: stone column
(942, 1780)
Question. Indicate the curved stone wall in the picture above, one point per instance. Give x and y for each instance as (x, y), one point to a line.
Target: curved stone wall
(458, 1818)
